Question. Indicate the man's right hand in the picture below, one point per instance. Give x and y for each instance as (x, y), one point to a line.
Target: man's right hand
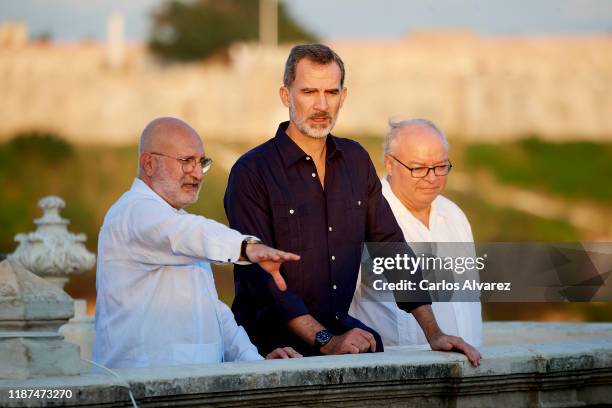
(352, 342)
(270, 259)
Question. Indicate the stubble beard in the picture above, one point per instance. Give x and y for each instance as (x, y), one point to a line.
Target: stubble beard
(173, 190)
(316, 133)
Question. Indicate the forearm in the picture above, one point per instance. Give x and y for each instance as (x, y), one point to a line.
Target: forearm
(306, 327)
(424, 315)
(158, 235)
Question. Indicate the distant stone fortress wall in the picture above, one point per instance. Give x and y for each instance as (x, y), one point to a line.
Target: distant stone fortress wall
(475, 87)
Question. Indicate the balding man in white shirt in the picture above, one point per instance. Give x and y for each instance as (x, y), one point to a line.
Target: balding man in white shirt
(417, 164)
(156, 303)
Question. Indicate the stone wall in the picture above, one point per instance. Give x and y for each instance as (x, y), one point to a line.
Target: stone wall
(475, 87)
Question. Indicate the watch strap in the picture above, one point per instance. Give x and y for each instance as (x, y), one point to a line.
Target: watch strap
(243, 246)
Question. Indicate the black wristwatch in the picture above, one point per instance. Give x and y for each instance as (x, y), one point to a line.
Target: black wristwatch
(322, 338)
(249, 240)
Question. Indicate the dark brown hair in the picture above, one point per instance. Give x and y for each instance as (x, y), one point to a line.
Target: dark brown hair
(319, 53)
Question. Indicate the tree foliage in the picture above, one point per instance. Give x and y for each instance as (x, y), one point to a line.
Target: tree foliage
(192, 30)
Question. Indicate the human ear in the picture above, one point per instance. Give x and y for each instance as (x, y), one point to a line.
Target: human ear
(284, 95)
(147, 165)
(389, 165)
(343, 95)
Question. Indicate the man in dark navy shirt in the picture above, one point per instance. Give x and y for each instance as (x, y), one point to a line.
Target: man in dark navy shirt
(308, 192)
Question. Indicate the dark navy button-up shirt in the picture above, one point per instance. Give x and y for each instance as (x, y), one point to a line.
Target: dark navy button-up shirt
(274, 193)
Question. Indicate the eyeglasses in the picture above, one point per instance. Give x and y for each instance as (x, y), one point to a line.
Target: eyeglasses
(422, 172)
(189, 163)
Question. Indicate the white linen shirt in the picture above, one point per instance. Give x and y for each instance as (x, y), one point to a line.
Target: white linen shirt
(157, 304)
(447, 223)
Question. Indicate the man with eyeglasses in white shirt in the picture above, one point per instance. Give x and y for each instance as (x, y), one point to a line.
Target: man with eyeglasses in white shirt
(417, 164)
(156, 299)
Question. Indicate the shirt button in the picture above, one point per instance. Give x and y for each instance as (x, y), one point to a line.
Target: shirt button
(314, 174)
(291, 211)
(335, 287)
(333, 258)
(330, 229)
(358, 202)
(307, 157)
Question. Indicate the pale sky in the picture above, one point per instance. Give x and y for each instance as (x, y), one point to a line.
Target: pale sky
(77, 19)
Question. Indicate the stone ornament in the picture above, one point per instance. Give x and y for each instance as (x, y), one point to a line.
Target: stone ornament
(52, 252)
(30, 303)
(31, 311)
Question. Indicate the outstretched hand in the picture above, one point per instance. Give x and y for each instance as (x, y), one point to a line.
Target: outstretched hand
(443, 342)
(270, 260)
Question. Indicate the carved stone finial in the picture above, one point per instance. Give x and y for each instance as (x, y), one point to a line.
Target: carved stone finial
(51, 206)
(31, 312)
(29, 303)
(52, 252)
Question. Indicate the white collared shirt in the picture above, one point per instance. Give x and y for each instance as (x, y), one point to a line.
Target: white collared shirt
(157, 304)
(447, 223)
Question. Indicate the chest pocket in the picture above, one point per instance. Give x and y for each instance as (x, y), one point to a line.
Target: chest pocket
(297, 228)
(287, 237)
(286, 227)
(356, 214)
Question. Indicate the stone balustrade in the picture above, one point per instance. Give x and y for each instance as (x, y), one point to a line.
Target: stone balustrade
(524, 365)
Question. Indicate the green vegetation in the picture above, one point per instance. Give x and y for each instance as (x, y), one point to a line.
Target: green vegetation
(187, 31)
(572, 169)
(24, 162)
(91, 178)
(491, 223)
(41, 145)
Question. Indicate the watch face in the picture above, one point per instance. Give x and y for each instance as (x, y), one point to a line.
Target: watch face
(323, 337)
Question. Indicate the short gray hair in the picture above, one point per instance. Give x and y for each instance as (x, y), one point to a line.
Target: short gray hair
(395, 125)
(319, 53)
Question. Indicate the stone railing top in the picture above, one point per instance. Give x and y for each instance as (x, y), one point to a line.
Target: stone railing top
(34, 335)
(357, 379)
(500, 333)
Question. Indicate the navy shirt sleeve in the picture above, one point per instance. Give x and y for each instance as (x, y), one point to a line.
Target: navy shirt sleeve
(383, 227)
(247, 209)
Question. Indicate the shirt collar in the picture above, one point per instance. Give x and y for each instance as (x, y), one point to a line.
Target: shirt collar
(291, 152)
(396, 203)
(140, 187)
